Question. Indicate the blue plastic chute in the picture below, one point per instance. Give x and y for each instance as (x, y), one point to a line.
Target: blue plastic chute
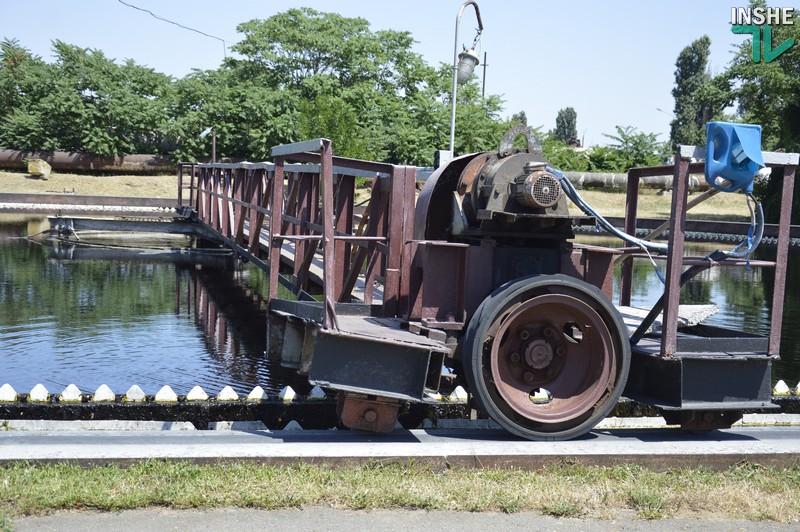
(733, 155)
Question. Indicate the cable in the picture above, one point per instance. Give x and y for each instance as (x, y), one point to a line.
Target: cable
(224, 44)
(573, 195)
(224, 48)
(754, 235)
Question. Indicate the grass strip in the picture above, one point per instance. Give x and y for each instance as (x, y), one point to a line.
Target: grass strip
(743, 492)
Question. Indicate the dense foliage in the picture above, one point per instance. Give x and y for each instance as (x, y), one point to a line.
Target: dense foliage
(764, 93)
(299, 74)
(304, 74)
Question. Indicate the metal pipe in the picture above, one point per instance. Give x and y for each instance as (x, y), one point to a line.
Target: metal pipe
(59, 160)
(455, 68)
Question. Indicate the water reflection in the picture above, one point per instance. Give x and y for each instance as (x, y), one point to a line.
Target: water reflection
(743, 295)
(125, 316)
(152, 316)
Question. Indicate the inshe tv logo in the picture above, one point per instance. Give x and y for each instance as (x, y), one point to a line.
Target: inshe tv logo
(757, 21)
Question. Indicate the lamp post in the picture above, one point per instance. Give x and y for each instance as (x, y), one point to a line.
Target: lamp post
(464, 64)
(213, 132)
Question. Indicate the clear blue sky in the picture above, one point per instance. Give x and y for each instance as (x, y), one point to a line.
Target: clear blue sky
(613, 61)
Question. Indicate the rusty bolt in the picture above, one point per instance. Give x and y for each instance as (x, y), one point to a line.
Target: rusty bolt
(524, 334)
(548, 331)
(370, 415)
(551, 373)
(561, 351)
(515, 357)
(528, 376)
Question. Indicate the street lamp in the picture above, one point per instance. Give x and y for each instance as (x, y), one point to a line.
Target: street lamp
(464, 64)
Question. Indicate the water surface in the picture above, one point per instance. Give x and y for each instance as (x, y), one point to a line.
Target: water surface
(137, 314)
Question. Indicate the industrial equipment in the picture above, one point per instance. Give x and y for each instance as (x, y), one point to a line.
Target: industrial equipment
(479, 280)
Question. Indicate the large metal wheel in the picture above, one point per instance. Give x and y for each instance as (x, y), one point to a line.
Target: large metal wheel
(546, 357)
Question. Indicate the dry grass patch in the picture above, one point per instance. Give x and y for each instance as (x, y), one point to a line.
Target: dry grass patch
(653, 204)
(147, 186)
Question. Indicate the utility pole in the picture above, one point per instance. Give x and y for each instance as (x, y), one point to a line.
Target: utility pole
(483, 89)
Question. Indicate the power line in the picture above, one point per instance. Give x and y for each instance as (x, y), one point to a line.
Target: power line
(224, 53)
(224, 44)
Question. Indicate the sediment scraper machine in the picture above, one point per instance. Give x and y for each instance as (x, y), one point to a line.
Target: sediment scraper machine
(478, 277)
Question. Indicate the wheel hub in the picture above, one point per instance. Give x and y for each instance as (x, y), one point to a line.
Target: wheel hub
(530, 353)
(538, 354)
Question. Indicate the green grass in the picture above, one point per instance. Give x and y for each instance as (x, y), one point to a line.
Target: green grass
(742, 492)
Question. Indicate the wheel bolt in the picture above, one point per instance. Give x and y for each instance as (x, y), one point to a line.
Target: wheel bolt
(515, 358)
(528, 376)
(551, 372)
(561, 351)
(524, 335)
(548, 331)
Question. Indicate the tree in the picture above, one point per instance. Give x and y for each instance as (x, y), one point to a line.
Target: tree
(566, 125)
(636, 148)
(519, 118)
(84, 102)
(368, 91)
(699, 98)
(299, 74)
(768, 94)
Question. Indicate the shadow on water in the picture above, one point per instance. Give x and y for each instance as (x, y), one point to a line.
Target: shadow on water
(150, 315)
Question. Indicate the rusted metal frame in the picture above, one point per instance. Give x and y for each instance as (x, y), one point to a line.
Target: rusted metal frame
(200, 198)
(391, 289)
(362, 241)
(782, 257)
(290, 226)
(234, 203)
(328, 244)
(225, 206)
(309, 249)
(180, 185)
(360, 256)
(217, 203)
(691, 261)
(379, 207)
(303, 212)
(409, 194)
(212, 200)
(262, 195)
(345, 162)
(208, 200)
(238, 205)
(631, 214)
(255, 196)
(344, 208)
(243, 193)
(680, 191)
(193, 170)
(631, 210)
(275, 243)
(291, 204)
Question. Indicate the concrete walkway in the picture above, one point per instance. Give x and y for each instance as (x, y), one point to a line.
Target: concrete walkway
(657, 447)
(326, 519)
